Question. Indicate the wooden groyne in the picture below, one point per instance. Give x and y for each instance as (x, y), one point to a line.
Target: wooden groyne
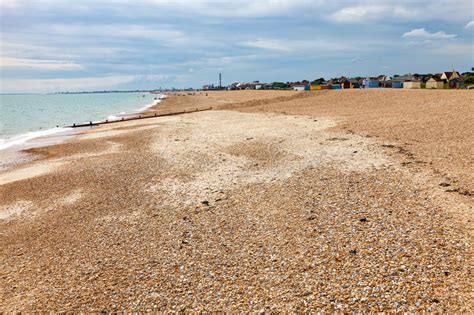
(90, 124)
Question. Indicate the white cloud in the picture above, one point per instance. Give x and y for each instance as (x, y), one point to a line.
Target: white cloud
(363, 13)
(134, 31)
(401, 10)
(241, 8)
(269, 44)
(319, 45)
(21, 63)
(8, 3)
(422, 34)
(470, 25)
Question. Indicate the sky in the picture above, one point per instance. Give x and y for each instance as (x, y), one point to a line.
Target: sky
(51, 45)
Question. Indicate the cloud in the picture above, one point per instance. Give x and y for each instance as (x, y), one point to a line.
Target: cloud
(296, 45)
(133, 31)
(240, 9)
(470, 24)
(363, 13)
(422, 34)
(402, 10)
(53, 65)
(269, 44)
(8, 3)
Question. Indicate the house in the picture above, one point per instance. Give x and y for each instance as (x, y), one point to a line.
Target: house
(299, 87)
(434, 83)
(450, 75)
(412, 84)
(208, 87)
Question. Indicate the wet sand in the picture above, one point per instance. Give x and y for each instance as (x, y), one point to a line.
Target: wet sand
(275, 201)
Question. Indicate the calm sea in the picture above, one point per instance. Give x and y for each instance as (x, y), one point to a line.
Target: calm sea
(24, 117)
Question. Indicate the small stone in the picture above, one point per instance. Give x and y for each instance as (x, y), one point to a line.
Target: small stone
(353, 252)
(205, 202)
(363, 220)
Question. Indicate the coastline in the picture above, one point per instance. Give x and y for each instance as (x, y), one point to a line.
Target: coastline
(286, 187)
(16, 155)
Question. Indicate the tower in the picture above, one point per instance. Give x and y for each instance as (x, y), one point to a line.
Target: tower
(220, 80)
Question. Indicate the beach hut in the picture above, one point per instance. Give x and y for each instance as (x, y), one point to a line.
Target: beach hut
(370, 83)
(397, 84)
(355, 84)
(384, 81)
(457, 83)
(299, 87)
(317, 87)
(336, 86)
(412, 84)
(345, 83)
(434, 83)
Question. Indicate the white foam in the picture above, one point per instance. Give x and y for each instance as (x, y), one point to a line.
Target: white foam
(22, 138)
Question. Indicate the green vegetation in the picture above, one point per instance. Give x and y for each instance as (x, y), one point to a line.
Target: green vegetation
(469, 80)
(279, 85)
(318, 81)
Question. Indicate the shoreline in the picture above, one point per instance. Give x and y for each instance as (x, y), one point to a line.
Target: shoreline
(17, 155)
(24, 139)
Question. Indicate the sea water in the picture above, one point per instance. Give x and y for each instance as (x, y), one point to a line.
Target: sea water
(25, 117)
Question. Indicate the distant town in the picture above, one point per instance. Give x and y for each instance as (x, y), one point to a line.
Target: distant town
(446, 80)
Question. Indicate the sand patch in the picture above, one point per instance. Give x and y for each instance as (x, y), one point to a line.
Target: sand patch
(10, 211)
(71, 198)
(221, 149)
(106, 133)
(29, 171)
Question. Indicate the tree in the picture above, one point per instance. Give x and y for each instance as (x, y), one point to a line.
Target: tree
(318, 81)
(279, 85)
(469, 79)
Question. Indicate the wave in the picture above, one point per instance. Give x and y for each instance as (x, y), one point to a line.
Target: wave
(22, 138)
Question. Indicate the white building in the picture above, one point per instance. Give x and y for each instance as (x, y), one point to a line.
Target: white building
(298, 87)
(412, 85)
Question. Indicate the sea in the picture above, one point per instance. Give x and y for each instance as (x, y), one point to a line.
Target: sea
(29, 116)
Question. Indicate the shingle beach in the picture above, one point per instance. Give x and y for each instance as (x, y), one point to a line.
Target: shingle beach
(335, 201)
